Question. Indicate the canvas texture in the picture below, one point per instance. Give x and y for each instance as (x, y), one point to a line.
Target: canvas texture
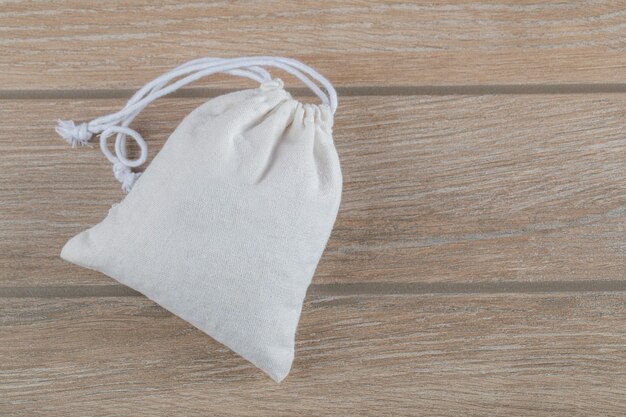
(226, 226)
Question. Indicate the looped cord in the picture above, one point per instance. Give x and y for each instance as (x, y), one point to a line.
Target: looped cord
(120, 154)
(117, 123)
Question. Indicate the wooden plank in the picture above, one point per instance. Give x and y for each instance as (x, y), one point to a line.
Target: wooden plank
(508, 355)
(437, 189)
(118, 44)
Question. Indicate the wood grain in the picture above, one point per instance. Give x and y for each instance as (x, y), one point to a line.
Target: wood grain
(436, 189)
(119, 44)
(505, 355)
(477, 266)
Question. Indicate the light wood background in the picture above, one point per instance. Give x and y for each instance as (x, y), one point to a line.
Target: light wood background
(477, 266)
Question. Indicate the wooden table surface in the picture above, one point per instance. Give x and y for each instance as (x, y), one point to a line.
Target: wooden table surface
(477, 266)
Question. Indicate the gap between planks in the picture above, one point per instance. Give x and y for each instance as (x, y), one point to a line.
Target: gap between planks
(356, 289)
(435, 90)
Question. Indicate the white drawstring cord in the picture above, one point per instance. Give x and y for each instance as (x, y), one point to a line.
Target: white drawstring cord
(117, 123)
(255, 73)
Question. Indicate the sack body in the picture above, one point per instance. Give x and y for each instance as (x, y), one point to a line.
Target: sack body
(226, 226)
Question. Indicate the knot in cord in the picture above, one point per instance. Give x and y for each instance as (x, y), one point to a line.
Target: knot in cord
(125, 176)
(74, 135)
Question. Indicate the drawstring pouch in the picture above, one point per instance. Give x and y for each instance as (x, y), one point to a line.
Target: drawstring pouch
(226, 226)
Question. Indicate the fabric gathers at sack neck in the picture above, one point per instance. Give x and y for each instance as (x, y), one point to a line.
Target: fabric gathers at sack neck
(248, 67)
(321, 112)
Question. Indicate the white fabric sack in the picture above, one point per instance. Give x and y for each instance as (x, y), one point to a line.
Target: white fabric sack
(226, 226)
